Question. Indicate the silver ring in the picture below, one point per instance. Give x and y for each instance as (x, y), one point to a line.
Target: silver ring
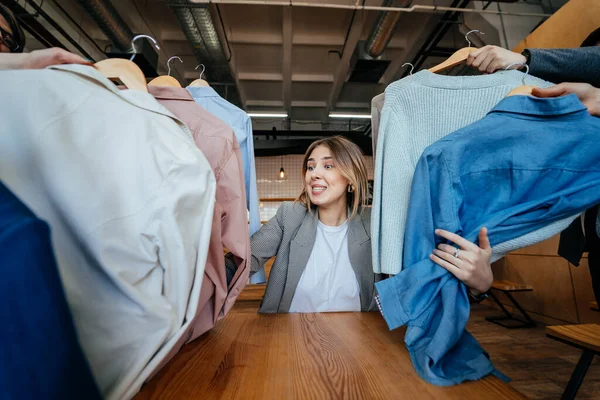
(457, 253)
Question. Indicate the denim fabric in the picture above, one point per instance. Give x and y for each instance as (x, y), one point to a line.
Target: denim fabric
(40, 356)
(528, 163)
(241, 124)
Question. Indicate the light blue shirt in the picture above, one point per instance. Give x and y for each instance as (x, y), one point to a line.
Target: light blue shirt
(241, 124)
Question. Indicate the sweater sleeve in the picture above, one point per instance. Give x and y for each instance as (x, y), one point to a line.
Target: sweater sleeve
(566, 65)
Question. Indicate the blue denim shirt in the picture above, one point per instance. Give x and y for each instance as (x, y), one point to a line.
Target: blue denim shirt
(38, 341)
(241, 124)
(528, 163)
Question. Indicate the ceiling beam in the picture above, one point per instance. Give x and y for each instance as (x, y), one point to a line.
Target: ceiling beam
(216, 15)
(353, 105)
(341, 73)
(312, 78)
(310, 104)
(417, 37)
(264, 103)
(287, 58)
(259, 76)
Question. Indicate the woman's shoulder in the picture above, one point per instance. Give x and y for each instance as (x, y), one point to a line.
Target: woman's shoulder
(365, 215)
(292, 208)
(291, 212)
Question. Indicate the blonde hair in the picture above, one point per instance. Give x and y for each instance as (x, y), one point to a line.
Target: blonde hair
(349, 161)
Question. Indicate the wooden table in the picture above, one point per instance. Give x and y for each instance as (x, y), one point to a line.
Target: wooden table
(304, 356)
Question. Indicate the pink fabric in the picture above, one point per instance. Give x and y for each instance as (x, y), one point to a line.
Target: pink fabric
(230, 220)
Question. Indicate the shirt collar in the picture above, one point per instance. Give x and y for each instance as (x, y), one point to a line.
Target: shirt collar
(529, 105)
(202, 91)
(169, 93)
(137, 98)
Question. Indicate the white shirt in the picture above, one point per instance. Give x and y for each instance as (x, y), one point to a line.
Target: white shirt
(328, 283)
(129, 199)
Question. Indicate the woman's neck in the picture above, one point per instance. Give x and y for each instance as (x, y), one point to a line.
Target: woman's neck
(334, 215)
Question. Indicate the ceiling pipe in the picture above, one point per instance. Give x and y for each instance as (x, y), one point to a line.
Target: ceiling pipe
(201, 32)
(415, 8)
(384, 28)
(110, 22)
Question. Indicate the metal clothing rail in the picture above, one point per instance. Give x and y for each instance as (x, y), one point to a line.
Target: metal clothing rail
(415, 8)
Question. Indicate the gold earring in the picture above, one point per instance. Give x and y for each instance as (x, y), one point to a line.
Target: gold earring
(350, 188)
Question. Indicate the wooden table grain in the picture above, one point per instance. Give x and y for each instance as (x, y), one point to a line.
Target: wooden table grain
(304, 356)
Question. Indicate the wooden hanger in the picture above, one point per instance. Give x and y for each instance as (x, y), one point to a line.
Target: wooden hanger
(167, 80)
(126, 70)
(523, 90)
(458, 57)
(199, 82)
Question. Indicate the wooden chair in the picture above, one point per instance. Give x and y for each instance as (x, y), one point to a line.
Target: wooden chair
(585, 337)
(594, 306)
(508, 287)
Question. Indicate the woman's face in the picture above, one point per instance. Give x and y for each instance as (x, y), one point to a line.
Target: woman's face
(324, 184)
(4, 25)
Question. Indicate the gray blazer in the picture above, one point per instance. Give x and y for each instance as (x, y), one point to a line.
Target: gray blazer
(290, 235)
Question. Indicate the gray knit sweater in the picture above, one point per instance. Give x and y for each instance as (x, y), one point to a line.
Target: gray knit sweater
(418, 111)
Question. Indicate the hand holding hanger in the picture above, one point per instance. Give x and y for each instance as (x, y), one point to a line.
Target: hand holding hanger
(39, 59)
(588, 95)
(490, 59)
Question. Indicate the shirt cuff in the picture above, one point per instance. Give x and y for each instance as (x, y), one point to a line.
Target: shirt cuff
(389, 304)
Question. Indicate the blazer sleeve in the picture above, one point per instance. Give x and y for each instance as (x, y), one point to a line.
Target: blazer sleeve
(566, 65)
(264, 244)
(234, 220)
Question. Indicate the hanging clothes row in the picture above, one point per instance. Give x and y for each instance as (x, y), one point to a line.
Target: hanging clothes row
(418, 111)
(142, 189)
(219, 145)
(453, 153)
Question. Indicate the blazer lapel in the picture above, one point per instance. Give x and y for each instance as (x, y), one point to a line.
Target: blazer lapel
(300, 249)
(359, 250)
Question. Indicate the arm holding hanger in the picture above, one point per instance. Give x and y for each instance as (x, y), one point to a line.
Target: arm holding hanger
(39, 59)
(554, 65)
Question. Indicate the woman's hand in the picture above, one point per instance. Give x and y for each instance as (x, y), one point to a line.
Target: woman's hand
(489, 59)
(40, 59)
(472, 266)
(587, 94)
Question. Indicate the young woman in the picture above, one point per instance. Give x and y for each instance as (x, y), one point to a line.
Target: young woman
(323, 245)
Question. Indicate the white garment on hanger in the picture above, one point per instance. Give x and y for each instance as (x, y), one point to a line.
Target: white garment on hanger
(129, 199)
(328, 283)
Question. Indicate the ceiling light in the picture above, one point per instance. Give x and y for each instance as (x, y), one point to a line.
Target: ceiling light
(350, 116)
(282, 174)
(267, 114)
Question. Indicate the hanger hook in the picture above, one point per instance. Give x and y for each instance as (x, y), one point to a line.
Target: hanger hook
(523, 65)
(412, 67)
(139, 37)
(203, 69)
(468, 33)
(169, 63)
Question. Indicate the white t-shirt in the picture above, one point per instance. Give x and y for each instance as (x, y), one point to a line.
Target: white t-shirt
(328, 283)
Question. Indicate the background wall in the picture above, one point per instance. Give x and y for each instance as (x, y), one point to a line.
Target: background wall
(271, 187)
